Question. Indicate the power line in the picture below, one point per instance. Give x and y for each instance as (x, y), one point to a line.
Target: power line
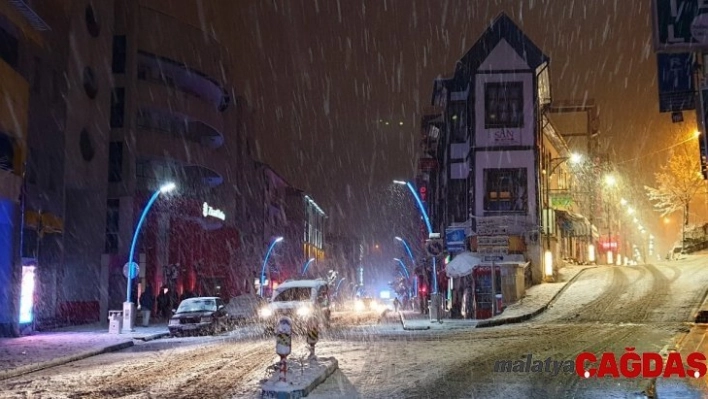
(657, 151)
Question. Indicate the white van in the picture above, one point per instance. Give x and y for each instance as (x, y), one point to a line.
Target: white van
(301, 301)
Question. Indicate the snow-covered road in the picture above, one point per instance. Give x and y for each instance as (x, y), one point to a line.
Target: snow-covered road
(606, 309)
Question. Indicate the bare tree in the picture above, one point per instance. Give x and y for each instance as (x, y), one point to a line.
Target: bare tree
(677, 182)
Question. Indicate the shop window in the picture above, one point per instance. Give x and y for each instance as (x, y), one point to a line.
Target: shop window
(119, 54)
(117, 107)
(8, 48)
(115, 162)
(503, 105)
(112, 225)
(506, 190)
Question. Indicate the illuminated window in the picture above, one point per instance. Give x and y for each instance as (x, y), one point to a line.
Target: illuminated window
(506, 190)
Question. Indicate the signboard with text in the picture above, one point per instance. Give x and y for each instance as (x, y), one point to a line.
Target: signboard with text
(455, 239)
(680, 25)
(675, 81)
(505, 137)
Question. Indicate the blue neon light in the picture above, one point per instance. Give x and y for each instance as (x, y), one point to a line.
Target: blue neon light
(307, 264)
(131, 258)
(265, 262)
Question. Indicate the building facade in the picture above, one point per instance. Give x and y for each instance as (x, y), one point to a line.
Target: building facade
(492, 161)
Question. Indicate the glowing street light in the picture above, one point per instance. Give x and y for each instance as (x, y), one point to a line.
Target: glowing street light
(128, 306)
(408, 248)
(610, 180)
(265, 262)
(307, 264)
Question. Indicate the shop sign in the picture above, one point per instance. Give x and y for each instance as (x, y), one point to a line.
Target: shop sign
(207, 210)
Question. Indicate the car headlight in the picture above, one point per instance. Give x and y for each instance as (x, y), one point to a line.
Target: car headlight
(359, 306)
(303, 311)
(265, 312)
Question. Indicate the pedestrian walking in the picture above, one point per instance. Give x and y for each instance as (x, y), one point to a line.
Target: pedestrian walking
(396, 304)
(164, 303)
(147, 302)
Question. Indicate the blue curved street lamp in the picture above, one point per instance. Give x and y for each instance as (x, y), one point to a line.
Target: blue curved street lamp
(421, 207)
(336, 290)
(131, 258)
(307, 264)
(265, 262)
(408, 249)
(403, 266)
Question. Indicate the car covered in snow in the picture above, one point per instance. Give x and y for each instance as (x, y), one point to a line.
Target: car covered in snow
(303, 301)
(199, 315)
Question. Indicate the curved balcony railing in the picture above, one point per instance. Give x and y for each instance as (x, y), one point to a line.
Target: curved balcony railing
(189, 130)
(174, 74)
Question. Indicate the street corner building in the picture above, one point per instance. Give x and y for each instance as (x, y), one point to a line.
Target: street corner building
(497, 175)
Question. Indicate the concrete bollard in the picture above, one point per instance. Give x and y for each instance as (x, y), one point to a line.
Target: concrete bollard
(283, 346)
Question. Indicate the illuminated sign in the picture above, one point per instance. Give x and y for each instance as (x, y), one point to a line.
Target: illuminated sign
(213, 212)
(27, 294)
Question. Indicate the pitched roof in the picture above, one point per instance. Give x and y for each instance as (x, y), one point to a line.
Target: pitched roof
(501, 28)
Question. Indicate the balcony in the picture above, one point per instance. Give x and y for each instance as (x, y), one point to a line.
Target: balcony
(179, 127)
(189, 81)
(168, 100)
(155, 144)
(150, 174)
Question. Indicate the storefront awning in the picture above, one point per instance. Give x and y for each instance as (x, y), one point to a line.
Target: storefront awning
(462, 264)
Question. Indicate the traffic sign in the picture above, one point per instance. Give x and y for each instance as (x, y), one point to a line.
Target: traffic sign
(434, 247)
(127, 269)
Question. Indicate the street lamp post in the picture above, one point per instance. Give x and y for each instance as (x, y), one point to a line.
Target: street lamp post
(610, 181)
(132, 266)
(265, 263)
(421, 207)
(307, 264)
(408, 249)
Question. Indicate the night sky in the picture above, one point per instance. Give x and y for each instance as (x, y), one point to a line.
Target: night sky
(321, 73)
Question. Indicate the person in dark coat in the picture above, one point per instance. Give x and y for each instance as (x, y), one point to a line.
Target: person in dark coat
(164, 303)
(147, 302)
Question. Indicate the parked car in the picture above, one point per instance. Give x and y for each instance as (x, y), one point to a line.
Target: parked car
(199, 315)
(300, 300)
(244, 308)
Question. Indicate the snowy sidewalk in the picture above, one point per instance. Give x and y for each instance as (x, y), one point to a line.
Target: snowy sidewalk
(536, 300)
(41, 350)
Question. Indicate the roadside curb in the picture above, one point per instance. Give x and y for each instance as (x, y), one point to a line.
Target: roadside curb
(405, 326)
(31, 368)
(153, 337)
(527, 316)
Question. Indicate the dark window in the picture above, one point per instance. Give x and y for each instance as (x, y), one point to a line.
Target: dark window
(8, 48)
(86, 146)
(90, 85)
(457, 204)
(31, 172)
(7, 152)
(92, 25)
(503, 105)
(37, 76)
(506, 190)
(117, 107)
(119, 54)
(115, 162)
(56, 86)
(30, 240)
(112, 225)
(458, 122)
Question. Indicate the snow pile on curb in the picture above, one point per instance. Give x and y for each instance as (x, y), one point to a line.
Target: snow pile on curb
(301, 378)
